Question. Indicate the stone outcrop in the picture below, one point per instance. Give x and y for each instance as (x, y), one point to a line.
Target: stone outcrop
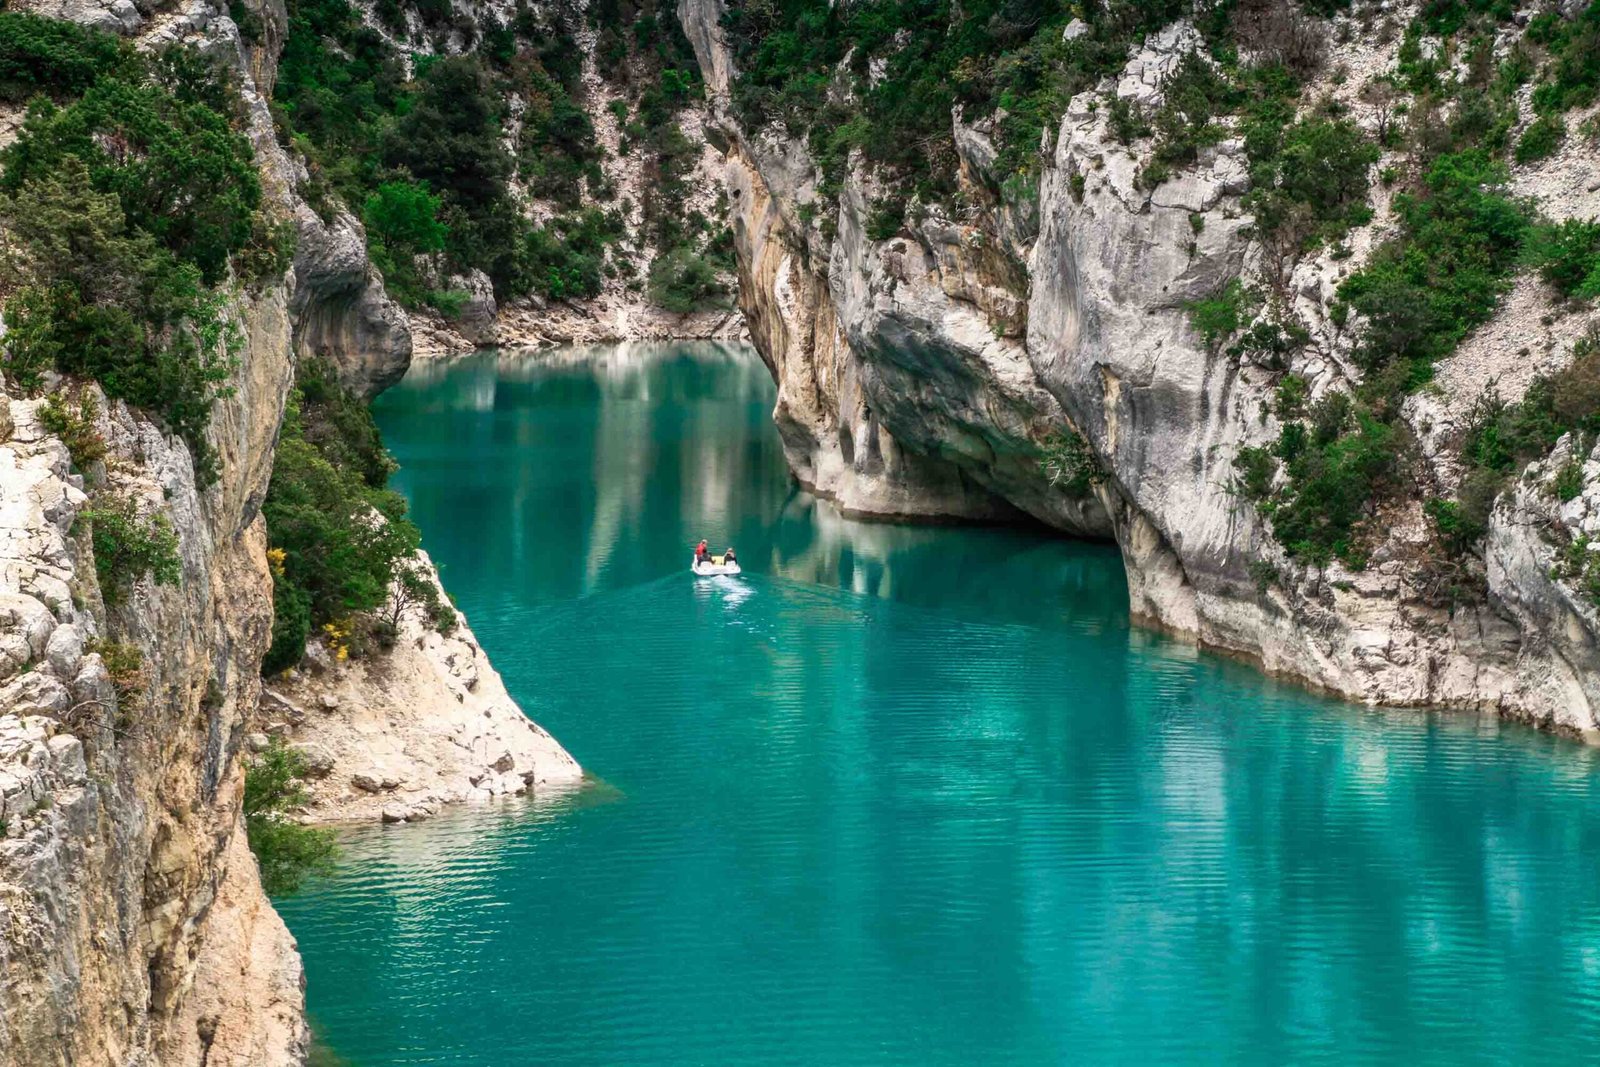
(136, 930)
(341, 311)
(398, 735)
(124, 880)
(921, 375)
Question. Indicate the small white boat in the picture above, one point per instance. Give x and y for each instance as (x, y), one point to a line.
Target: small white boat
(714, 567)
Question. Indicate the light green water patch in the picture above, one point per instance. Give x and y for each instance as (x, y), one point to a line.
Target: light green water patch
(910, 796)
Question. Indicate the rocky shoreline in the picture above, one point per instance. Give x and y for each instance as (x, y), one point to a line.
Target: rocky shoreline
(395, 736)
(926, 373)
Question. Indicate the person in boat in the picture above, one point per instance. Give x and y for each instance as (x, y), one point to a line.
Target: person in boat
(728, 556)
(700, 552)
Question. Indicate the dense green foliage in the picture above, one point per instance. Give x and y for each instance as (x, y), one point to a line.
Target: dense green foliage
(129, 547)
(988, 56)
(75, 425)
(126, 207)
(1309, 178)
(1219, 316)
(286, 852)
(1567, 256)
(339, 535)
(425, 159)
(53, 57)
(682, 281)
(1504, 438)
(1461, 239)
(1572, 72)
(402, 220)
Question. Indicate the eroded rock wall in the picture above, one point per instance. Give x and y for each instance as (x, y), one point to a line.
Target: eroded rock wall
(920, 375)
(136, 930)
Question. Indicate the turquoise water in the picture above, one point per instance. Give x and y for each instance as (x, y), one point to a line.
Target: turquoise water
(910, 796)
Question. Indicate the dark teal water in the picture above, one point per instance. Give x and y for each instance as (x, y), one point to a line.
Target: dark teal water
(910, 796)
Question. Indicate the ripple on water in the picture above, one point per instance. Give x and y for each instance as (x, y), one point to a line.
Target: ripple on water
(911, 796)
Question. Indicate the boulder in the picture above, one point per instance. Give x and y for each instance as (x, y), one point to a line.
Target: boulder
(319, 761)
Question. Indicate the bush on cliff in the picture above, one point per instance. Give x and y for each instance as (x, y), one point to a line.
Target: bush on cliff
(341, 534)
(286, 852)
(343, 553)
(1461, 239)
(1335, 461)
(128, 210)
(129, 547)
(682, 281)
(54, 57)
(1502, 439)
(1567, 256)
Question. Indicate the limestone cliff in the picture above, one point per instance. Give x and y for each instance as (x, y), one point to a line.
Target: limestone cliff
(136, 926)
(136, 930)
(923, 374)
(395, 736)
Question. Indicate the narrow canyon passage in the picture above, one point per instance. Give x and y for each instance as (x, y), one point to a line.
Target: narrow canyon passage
(908, 795)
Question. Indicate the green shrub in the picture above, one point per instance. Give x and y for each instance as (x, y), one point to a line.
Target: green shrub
(681, 282)
(1422, 292)
(1572, 77)
(1193, 97)
(1567, 256)
(193, 188)
(1270, 341)
(75, 428)
(54, 57)
(1254, 468)
(1457, 526)
(1292, 393)
(1541, 139)
(1309, 181)
(339, 539)
(128, 547)
(565, 259)
(286, 852)
(113, 254)
(1568, 482)
(449, 303)
(402, 221)
(1070, 463)
(1502, 439)
(1332, 481)
(1219, 316)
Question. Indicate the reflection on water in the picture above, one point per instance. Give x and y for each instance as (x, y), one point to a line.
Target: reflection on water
(600, 466)
(912, 796)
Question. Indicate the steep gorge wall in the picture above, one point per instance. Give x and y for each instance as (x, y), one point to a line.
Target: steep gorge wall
(135, 927)
(917, 376)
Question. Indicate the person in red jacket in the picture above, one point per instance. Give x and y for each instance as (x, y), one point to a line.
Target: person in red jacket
(700, 551)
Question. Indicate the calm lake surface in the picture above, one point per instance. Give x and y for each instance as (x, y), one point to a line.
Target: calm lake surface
(909, 796)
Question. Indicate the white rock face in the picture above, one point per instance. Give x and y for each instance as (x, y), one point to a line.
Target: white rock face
(916, 374)
(136, 927)
(426, 724)
(136, 931)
